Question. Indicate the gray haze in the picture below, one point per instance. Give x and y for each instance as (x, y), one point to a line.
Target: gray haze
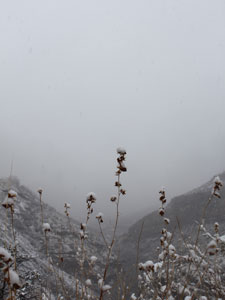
(80, 78)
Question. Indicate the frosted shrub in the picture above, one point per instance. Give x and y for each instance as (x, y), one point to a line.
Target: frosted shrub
(10, 276)
(196, 273)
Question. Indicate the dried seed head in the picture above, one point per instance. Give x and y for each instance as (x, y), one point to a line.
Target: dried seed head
(81, 234)
(167, 221)
(8, 203)
(91, 197)
(162, 198)
(216, 227)
(212, 247)
(67, 205)
(148, 266)
(123, 192)
(113, 198)
(46, 227)
(164, 231)
(162, 240)
(172, 250)
(218, 181)
(83, 226)
(40, 191)
(99, 217)
(161, 211)
(12, 194)
(217, 186)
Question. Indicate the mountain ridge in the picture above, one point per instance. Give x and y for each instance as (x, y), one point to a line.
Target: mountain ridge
(185, 209)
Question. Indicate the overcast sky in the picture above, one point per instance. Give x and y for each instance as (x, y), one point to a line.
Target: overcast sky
(80, 78)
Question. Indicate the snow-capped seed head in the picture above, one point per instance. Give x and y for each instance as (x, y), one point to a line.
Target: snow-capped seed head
(106, 287)
(81, 234)
(46, 227)
(162, 256)
(83, 226)
(13, 279)
(217, 186)
(5, 255)
(164, 231)
(218, 181)
(162, 241)
(93, 259)
(167, 221)
(133, 297)
(88, 282)
(161, 211)
(212, 247)
(216, 227)
(162, 190)
(149, 266)
(100, 283)
(172, 250)
(121, 151)
(157, 266)
(91, 197)
(113, 198)
(40, 191)
(212, 244)
(67, 205)
(12, 194)
(99, 216)
(8, 202)
(168, 235)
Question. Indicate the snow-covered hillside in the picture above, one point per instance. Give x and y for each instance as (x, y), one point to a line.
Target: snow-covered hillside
(35, 271)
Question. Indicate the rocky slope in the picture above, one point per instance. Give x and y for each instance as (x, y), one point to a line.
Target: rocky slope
(63, 244)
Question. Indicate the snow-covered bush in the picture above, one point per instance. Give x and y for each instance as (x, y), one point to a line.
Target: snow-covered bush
(194, 272)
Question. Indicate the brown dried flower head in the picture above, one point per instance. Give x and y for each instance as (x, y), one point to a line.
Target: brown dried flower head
(113, 198)
(91, 197)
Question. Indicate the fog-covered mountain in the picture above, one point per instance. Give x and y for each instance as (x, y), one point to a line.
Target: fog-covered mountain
(125, 221)
(184, 211)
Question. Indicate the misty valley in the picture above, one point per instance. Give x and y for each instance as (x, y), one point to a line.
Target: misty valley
(176, 252)
(112, 166)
